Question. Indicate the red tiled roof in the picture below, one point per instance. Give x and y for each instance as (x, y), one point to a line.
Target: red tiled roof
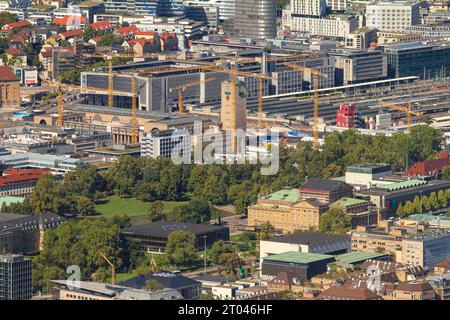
(415, 287)
(443, 264)
(348, 293)
(15, 52)
(429, 167)
(68, 20)
(145, 33)
(72, 33)
(101, 25)
(6, 74)
(21, 175)
(126, 31)
(18, 24)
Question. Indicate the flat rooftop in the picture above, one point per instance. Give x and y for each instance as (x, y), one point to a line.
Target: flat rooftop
(359, 256)
(298, 257)
(164, 228)
(344, 202)
(284, 195)
(311, 238)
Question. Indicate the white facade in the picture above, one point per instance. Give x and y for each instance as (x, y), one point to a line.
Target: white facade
(166, 143)
(392, 16)
(316, 8)
(338, 5)
(333, 26)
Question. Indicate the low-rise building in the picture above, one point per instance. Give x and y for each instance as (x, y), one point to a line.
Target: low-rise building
(9, 89)
(301, 265)
(325, 190)
(189, 288)
(153, 236)
(20, 182)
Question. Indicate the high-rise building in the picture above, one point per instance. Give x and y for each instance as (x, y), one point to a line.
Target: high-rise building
(393, 16)
(233, 112)
(255, 19)
(15, 277)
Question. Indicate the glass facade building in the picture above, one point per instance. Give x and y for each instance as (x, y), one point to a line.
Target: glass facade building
(417, 59)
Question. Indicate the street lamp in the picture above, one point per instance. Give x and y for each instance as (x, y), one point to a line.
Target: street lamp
(204, 239)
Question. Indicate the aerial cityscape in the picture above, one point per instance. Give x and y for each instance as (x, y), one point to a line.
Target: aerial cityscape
(225, 150)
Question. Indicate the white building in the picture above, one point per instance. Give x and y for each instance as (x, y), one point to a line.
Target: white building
(338, 5)
(166, 143)
(337, 26)
(315, 8)
(392, 16)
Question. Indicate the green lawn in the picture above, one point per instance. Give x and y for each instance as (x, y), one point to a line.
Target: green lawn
(111, 206)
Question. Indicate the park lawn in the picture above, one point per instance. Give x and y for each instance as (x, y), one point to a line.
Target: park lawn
(112, 206)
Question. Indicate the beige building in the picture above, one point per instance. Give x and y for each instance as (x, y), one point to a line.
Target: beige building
(233, 114)
(9, 89)
(286, 211)
(379, 241)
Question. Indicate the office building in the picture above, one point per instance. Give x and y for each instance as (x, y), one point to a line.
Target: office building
(393, 15)
(255, 19)
(166, 143)
(426, 249)
(378, 240)
(15, 277)
(60, 164)
(207, 12)
(426, 61)
(153, 236)
(9, 89)
(356, 66)
(361, 38)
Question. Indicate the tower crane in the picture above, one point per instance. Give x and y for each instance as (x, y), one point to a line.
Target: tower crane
(316, 75)
(408, 110)
(113, 269)
(183, 87)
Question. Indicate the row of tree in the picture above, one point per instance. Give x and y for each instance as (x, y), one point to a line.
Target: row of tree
(425, 204)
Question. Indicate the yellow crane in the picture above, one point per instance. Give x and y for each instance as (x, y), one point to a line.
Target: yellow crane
(316, 75)
(408, 110)
(113, 269)
(183, 87)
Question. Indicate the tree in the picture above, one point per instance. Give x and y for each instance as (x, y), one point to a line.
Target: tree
(181, 248)
(155, 211)
(335, 221)
(195, 211)
(426, 204)
(217, 249)
(6, 17)
(207, 296)
(446, 173)
(153, 285)
(266, 231)
(44, 192)
(400, 210)
(79, 243)
(416, 205)
(85, 206)
(111, 40)
(231, 262)
(434, 201)
(442, 200)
